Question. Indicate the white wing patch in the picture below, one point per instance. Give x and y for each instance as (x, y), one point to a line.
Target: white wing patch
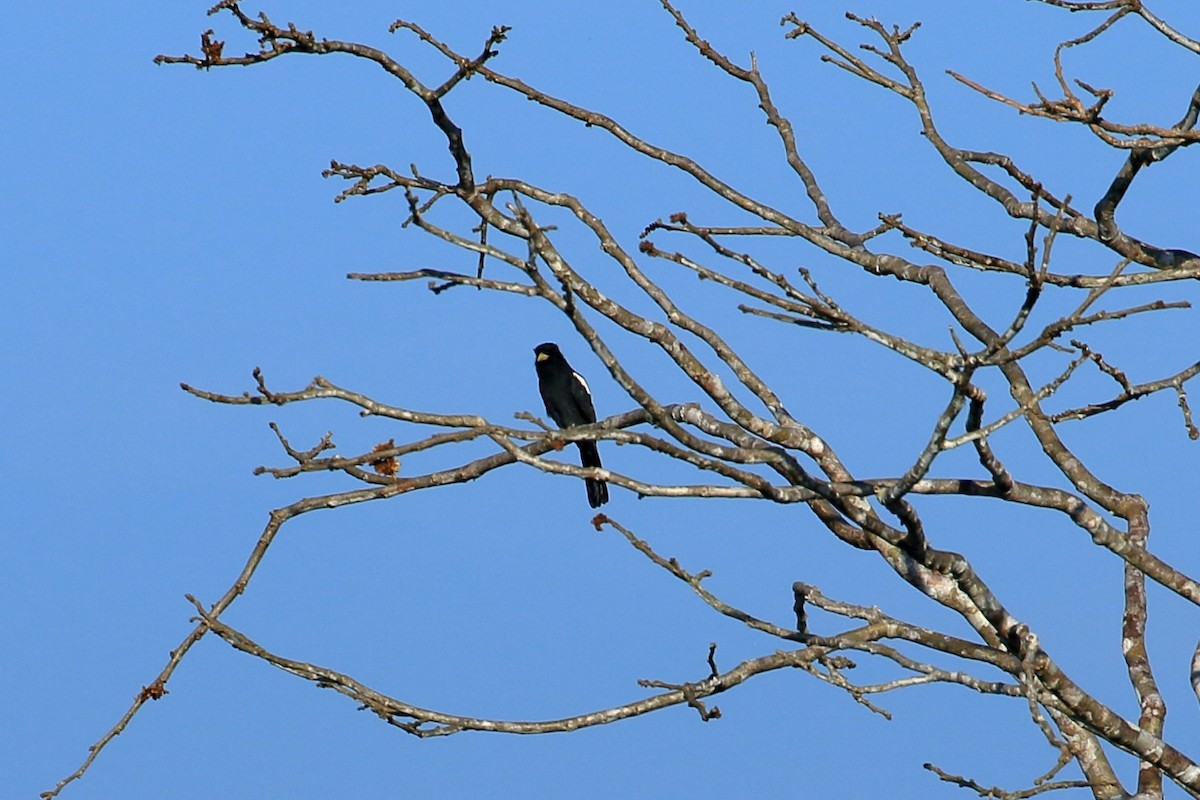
(582, 382)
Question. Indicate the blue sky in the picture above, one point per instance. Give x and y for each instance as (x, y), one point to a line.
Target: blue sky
(162, 224)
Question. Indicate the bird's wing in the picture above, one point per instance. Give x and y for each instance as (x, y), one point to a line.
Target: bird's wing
(583, 398)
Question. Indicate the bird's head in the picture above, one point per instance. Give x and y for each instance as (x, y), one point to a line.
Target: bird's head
(546, 351)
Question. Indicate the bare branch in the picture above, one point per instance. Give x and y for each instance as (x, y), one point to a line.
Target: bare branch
(743, 441)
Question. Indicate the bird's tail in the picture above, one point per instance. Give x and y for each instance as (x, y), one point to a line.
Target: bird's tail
(597, 491)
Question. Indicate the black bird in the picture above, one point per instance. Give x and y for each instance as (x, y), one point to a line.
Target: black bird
(569, 402)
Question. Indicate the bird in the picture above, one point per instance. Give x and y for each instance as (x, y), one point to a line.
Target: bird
(569, 403)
